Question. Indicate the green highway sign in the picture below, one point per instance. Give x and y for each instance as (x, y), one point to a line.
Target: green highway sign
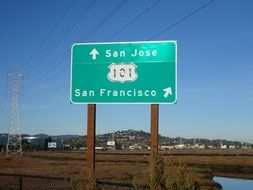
(124, 72)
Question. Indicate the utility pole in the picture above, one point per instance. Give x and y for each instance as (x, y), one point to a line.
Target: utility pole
(14, 145)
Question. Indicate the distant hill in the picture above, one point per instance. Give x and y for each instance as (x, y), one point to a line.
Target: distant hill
(41, 136)
(131, 137)
(62, 137)
(65, 137)
(142, 138)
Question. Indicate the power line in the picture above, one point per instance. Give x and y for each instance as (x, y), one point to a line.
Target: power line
(164, 30)
(102, 22)
(87, 35)
(133, 20)
(49, 34)
(49, 91)
(62, 37)
(182, 19)
(94, 29)
(58, 73)
(53, 66)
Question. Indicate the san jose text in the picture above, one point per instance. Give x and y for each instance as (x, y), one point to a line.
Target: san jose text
(133, 53)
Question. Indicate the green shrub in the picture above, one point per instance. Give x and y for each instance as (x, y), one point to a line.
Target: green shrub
(157, 173)
(77, 183)
(91, 181)
(84, 183)
(166, 176)
(180, 178)
(139, 182)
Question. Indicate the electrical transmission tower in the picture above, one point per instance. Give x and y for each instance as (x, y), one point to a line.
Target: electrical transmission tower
(14, 145)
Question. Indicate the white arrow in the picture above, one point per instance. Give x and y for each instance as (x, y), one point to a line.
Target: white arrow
(94, 53)
(168, 91)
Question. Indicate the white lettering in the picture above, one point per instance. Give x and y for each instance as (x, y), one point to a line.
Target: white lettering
(77, 92)
(127, 93)
(154, 53)
(102, 91)
(110, 53)
(140, 93)
(142, 53)
(84, 93)
(153, 93)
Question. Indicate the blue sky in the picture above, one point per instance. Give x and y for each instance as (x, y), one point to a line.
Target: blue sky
(215, 80)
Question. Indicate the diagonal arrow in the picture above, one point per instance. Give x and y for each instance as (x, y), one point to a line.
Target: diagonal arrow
(94, 53)
(167, 92)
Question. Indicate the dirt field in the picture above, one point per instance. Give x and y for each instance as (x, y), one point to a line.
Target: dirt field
(121, 166)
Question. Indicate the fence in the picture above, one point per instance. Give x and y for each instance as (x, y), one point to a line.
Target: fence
(20, 182)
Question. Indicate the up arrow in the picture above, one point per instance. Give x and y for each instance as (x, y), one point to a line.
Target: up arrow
(167, 92)
(94, 53)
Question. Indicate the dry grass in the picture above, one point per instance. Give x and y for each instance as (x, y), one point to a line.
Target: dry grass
(113, 167)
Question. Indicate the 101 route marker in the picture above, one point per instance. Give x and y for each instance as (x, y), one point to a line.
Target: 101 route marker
(124, 72)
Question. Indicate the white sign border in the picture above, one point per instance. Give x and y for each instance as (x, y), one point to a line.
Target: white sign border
(132, 42)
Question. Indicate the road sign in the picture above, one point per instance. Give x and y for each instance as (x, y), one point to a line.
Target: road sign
(124, 72)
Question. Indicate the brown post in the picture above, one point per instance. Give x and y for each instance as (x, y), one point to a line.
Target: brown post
(91, 135)
(154, 130)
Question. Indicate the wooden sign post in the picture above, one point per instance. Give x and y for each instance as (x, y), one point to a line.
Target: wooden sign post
(154, 130)
(91, 139)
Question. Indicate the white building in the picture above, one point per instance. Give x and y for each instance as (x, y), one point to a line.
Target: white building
(111, 145)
